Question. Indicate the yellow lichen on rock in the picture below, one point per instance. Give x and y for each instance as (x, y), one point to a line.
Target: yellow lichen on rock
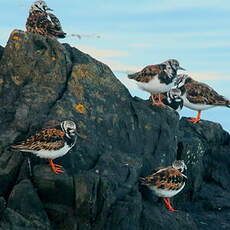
(1, 81)
(54, 59)
(17, 80)
(16, 38)
(80, 108)
(81, 71)
(17, 45)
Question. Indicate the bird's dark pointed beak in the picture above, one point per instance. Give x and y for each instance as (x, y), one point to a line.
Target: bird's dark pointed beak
(181, 68)
(81, 135)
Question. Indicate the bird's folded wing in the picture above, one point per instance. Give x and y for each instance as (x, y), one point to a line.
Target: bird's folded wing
(47, 138)
(200, 93)
(168, 178)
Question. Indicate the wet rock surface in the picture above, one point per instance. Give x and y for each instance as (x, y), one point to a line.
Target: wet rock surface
(122, 138)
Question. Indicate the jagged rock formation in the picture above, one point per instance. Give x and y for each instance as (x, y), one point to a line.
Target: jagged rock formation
(122, 138)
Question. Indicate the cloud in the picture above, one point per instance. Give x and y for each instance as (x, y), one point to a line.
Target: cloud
(80, 36)
(106, 56)
(102, 53)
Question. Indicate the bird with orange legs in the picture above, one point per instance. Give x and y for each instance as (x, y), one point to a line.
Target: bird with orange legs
(158, 78)
(51, 143)
(166, 182)
(199, 96)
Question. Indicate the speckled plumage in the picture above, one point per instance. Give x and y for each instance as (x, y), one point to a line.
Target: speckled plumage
(44, 23)
(50, 143)
(158, 78)
(166, 182)
(200, 93)
(199, 96)
(47, 139)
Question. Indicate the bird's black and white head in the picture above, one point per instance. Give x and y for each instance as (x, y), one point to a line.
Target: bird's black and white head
(174, 99)
(69, 127)
(172, 65)
(40, 6)
(181, 80)
(174, 93)
(179, 165)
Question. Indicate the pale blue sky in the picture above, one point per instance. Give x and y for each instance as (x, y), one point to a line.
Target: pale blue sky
(137, 33)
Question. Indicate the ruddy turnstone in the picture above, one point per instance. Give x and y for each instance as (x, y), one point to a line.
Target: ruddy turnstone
(157, 79)
(172, 99)
(199, 96)
(167, 182)
(51, 143)
(41, 22)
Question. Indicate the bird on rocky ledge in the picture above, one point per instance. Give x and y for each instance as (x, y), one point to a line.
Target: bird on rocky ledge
(43, 23)
(167, 182)
(158, 78)
(172, 99)
(199, 96)
(51, 143)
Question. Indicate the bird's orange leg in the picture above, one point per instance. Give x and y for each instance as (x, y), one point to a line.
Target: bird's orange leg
(168, 205)
(157, 102)
(196, 119)
(55, 167)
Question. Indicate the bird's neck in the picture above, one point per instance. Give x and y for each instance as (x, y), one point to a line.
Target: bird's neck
(71, 140)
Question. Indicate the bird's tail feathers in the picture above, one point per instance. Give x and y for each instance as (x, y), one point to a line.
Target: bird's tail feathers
(14, 147)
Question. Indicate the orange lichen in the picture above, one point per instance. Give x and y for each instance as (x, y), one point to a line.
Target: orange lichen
(16, 38)
(17, 80)
(80, 108)
(17, 45)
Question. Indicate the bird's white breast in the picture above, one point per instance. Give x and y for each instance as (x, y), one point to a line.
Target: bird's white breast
(155, 86)
(51, 154)
(164, 192)
(197, 107)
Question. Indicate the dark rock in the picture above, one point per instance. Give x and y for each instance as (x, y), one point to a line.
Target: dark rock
(122, 139)
(24, 209)
(1, 51)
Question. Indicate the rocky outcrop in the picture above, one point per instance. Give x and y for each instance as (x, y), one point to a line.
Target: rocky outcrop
(122, 138)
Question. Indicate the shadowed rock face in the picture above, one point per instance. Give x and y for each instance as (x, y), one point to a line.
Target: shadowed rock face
(122, 138)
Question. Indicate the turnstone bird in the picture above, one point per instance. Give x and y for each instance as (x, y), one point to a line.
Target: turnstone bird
(157, 79)
(51, 143)
(41, 22)
(199, 96)
(167, 182)
(172, 99)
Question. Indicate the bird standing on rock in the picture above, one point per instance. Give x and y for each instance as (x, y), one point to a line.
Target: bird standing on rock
(42, 22)
(199, 96)
(157, 79)
(167, 182)
(51, 143)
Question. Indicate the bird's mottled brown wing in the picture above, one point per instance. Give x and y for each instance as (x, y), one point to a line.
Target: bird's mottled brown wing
(200, 93)
(44, 24)
(168, 178)
(45, 139)
(148, 73)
